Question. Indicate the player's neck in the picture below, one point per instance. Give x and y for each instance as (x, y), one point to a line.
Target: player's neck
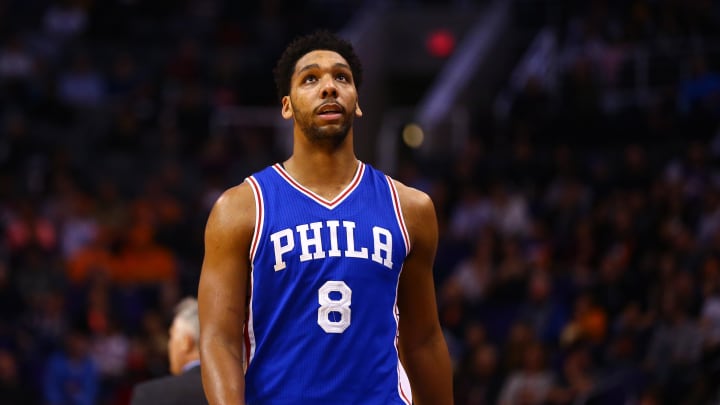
(323, 173)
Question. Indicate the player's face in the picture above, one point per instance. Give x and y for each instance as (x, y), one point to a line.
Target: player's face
(323, 99)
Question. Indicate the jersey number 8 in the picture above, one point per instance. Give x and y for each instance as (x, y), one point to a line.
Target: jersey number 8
(334, 312)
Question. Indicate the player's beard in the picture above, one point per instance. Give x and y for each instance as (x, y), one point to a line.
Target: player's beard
(334, 133)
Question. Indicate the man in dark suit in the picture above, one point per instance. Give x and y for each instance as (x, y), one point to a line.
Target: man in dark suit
(185, 385)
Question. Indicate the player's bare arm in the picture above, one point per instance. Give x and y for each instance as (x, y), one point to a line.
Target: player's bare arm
(222, 295)
(423, 349)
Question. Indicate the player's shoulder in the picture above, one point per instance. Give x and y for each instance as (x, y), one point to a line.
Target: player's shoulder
(235, 206)
(237, 195)
(418, 212)
(412, 198)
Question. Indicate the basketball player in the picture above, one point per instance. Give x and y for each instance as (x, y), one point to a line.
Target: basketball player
(321, 264)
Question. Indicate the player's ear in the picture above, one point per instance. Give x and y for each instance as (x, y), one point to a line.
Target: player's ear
(188, 343)
(358, 111)
(287, 110)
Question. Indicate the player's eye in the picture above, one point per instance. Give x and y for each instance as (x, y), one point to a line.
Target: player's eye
(309, 79)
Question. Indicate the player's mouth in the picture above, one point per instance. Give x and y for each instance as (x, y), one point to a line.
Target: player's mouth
(330, 111)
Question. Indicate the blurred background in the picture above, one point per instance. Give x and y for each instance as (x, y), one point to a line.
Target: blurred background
(571, 149)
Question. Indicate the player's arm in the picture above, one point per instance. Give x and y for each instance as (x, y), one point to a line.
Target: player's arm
(423, 350)
(222, 295)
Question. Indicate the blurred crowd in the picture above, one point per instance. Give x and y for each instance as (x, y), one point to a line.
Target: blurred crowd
(108, 170)
(579, 259)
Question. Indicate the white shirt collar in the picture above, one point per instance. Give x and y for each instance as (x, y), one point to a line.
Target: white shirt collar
(190, 364)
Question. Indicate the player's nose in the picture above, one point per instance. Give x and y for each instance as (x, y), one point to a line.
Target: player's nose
(329, 89)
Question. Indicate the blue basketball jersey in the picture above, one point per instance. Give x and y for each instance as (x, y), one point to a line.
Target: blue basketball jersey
(323, 319)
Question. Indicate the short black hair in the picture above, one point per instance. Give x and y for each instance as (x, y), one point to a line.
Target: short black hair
(300, 46)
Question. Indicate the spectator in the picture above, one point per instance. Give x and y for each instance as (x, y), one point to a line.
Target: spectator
(588, 324)
(530, 384)
(65, 20)
(474, 275)
(82, 85)
(142, 260)
(79, 226)
(479, 379)
(701, 91)
(576, 378)
(18, 67)
(543, 310)
(675, 349)
(11, 303)
(96, 258)
(71, 376)
(185, 384)
(13, 388)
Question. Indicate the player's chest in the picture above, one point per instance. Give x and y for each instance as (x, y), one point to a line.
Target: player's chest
(305, 242)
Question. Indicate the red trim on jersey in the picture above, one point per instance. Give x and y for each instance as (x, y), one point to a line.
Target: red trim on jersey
(249, 328)
(403, 395)
(398, 213)
(258, 215)
(246, 335)
(259, 220)
(400, 369)
(330, 204)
